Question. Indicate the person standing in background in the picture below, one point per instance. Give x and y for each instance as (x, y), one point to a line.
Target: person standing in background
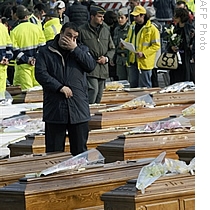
(121, 55)
(146, 39)
(164, 10)
(110, 18)
(26, 40)
(40, 10)
(5, 56)
(184, 29)
(132, 4)
(52, 25)
(77, 13)
(61, 8)
(61, 69)
(151, 14)
(164, 14)
(97, 37)
(183, 4)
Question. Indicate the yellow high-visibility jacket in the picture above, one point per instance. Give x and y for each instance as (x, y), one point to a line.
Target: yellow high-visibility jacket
(191, 5)
(33, 19)
(5, 52)
(51, 28)
(146, 41)
(26, 39)
(5, 43)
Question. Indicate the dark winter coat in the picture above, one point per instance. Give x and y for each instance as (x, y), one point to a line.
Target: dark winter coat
(183, 73)
(77, 13)
(164, 9)
(52, 73)
(100, 44)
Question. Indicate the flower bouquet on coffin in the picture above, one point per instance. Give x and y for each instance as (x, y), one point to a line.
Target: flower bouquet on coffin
(162, 166)
(90, 158)
(174, 40)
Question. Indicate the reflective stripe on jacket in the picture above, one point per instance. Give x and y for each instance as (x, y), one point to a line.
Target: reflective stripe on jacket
(5, 43)
(26, 39)
(51, 28)
(146, 41)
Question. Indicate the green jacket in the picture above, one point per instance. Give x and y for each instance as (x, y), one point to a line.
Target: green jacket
(100, 44)
(121, 54)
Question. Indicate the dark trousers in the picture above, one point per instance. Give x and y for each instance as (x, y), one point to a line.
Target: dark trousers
(55, 136)
(95, 89)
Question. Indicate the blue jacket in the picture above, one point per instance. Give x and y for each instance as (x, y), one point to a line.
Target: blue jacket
(164, 9)
(53, 71)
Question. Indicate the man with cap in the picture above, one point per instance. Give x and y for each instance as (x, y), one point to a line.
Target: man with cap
(61, 8)
(26, 39)
(52, 25)
(132, 4)
(121, 32)
(97, 37)
(146, 39)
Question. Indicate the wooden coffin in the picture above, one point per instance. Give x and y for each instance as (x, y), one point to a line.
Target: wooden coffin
(14, 90)
(175, 192)
(133, 117)
(69, 190)
(33, 114)
(146, 145)
(35, 143)
(121, 96)
(29, 97)
(12, 169)
(187, 97)
(186, 154)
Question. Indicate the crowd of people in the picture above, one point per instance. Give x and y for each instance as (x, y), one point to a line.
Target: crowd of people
(71, 51)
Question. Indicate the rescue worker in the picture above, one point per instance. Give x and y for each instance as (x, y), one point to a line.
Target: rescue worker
(146, 39)
(52, 25)
(5, 56)
(26, 39)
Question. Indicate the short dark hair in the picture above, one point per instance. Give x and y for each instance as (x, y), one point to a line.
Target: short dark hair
(181, 2)
(70, 25)
(182, 13)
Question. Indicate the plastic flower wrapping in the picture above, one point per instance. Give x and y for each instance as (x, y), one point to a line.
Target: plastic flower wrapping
(174, 40)
(22, 123)
(161, 126)
(89, 157)
(5, 98)
(162, 166)
(178, 87)
(141, 101)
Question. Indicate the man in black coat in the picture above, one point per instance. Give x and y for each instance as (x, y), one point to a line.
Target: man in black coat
(77, 13)
(61, 69)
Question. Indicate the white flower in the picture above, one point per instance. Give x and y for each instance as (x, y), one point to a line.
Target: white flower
(173, 36)
(172, 29)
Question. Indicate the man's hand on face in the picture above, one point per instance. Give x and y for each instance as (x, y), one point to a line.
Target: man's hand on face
(68, 43)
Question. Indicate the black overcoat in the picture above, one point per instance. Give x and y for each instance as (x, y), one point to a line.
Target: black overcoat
(53, 72)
